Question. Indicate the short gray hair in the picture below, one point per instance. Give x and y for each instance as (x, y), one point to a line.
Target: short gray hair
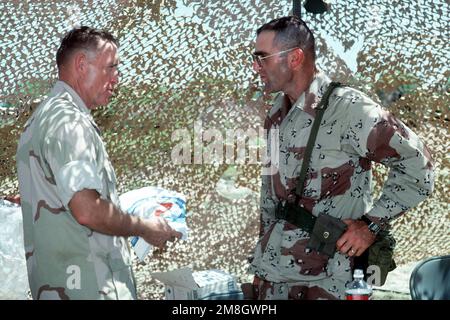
(81, 38)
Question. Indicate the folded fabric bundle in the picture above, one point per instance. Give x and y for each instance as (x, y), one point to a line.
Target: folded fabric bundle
(149, 202)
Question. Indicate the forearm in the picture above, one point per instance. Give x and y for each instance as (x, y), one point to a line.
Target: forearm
(103, 216)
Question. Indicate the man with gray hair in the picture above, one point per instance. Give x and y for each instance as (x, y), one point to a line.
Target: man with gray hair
(317, 212)
(74, 231)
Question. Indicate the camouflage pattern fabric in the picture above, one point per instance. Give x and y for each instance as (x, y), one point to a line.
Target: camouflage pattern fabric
(354, 132)
(300, 290)
(61, 152)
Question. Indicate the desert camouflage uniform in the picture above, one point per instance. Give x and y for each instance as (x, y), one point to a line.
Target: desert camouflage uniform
(61, 152)
(354, 132)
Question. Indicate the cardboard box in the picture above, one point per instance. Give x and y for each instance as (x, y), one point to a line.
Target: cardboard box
(183, 284)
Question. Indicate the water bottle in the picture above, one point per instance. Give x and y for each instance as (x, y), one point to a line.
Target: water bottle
(358, 289)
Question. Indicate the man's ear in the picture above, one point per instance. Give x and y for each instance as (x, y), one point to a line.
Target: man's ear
(297, 58)
(80, 62)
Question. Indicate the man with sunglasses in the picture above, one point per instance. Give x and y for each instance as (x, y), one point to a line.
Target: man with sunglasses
(353, 132)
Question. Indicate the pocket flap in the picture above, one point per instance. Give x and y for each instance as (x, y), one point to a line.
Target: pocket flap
(327, 230)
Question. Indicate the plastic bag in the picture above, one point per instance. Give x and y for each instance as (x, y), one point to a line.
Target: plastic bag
(148, 202)
(13, 270)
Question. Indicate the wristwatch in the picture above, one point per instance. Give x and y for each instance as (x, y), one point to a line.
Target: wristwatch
(375, 228)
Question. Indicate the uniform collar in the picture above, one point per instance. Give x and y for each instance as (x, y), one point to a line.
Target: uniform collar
(60, 87)
(317, 87)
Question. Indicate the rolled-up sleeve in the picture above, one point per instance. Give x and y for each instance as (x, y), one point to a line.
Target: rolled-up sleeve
(75, 176)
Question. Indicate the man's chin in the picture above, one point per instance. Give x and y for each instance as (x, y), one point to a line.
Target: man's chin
(105, 101)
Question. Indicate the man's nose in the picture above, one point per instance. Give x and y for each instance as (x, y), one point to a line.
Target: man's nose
(115, 78)
(256, 66)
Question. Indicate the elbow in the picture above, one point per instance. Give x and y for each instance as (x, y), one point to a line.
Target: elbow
(82, 218)
(83, 206)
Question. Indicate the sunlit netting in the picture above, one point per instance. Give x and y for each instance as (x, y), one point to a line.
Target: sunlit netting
(186, 65)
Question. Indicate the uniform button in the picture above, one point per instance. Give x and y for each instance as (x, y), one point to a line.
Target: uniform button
(326, 234)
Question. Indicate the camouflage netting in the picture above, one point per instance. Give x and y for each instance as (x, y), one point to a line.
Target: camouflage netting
(187, 62)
